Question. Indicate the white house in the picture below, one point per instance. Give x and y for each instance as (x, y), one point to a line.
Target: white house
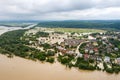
(107, 59)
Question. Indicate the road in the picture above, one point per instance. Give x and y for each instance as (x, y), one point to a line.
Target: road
(77, 49)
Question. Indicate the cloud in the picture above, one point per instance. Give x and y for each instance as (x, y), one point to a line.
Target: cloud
(59, 9)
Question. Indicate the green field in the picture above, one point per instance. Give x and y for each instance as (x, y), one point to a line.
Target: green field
(77, 30)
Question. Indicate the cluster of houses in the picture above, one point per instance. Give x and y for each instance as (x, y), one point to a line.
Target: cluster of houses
(94, 48)
(53, 38)
(71, 42)
(68, 44)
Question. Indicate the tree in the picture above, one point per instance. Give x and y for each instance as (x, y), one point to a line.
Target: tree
(51, 60)
(50, 53)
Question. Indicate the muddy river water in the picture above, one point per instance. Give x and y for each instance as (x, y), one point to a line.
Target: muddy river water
(17, 68)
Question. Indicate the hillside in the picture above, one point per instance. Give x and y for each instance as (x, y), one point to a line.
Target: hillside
(96, 24)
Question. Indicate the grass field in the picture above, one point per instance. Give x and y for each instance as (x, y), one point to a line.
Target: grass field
(77, 30)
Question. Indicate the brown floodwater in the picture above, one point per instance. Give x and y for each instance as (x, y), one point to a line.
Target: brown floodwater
(22, 69)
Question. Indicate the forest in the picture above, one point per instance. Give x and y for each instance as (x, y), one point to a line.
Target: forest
(95, 24)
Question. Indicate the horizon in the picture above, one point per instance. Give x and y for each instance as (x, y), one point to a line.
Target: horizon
(54, 20)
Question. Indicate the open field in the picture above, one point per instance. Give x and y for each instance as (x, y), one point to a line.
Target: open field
(77, 30)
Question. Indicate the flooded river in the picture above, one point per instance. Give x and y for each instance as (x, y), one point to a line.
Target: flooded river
(22, 69)
(4, 29)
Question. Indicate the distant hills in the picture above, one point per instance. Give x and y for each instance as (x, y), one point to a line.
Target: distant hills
(96, 24)
(91, 24)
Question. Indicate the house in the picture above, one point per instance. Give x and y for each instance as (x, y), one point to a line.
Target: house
(79, 55)
(91, 38)
(96, 49)
(100, 65)
(96, 53)
(104, 37)
(109, 49)
(116, 49)
(76, 35)
(95, 43)
(103, 42)
(99, 59)
(62, 50)
(92, 57)
(107, 59)
(118, 60)
(70, 52)
(86, 50)
(91, 51)
(86, 56)
(89, 47)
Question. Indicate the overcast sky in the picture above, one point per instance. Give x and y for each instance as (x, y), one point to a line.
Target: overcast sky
(59, 9)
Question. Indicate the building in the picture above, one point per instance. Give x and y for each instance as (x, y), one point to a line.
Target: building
(79, 55)
(118, 60)
(91, 38)
(86, 56)
(107, 59)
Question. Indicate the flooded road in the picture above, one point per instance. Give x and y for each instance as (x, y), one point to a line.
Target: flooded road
(22, 69)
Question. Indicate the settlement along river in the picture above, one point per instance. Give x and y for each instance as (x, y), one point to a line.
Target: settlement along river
(17, 68)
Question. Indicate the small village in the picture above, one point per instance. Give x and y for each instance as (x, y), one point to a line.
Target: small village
(89, 51)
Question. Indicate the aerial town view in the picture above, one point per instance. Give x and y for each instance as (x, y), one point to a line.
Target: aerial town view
(74, 40)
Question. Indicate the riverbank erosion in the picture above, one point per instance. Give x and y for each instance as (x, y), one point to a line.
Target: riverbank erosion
(17, 68)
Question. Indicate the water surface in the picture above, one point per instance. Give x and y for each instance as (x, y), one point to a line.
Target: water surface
(22, 69)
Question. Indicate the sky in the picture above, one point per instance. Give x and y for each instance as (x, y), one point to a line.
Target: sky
(59, 10)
